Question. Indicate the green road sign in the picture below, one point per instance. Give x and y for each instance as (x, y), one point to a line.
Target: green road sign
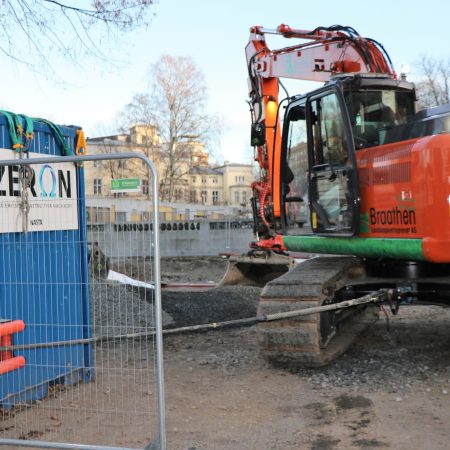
(126, 185)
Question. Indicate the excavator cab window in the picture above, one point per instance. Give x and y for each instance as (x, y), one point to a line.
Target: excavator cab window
(331, 141)
(375, 114)
(295, 171)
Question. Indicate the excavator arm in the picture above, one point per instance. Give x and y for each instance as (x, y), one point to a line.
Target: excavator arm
(327, 52)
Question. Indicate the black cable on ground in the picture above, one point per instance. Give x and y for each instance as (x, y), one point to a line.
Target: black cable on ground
(380, 296)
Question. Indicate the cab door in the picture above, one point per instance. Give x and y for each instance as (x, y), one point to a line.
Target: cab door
(333, 178)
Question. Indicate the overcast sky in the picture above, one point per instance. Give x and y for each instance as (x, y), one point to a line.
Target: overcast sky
(214, 34)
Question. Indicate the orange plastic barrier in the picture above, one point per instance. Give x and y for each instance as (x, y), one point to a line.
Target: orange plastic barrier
(15, 326)
(11, 364)
(7, 361)
(5, 341)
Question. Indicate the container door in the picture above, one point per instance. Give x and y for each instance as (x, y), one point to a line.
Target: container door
(333, 182)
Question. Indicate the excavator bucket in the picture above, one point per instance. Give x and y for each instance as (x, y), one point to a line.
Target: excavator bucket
(256, 268)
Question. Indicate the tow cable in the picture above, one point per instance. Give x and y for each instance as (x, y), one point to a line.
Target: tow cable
(380, 296)
(383, 295)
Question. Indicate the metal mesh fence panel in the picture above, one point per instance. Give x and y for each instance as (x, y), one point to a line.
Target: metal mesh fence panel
(80, 360)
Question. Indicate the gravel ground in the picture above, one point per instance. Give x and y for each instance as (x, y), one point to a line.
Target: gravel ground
(118, 309)
(416, 348)
(390, 358)
(182, 269)
(213, 305)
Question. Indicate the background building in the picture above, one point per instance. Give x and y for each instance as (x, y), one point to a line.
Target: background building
(198, 189)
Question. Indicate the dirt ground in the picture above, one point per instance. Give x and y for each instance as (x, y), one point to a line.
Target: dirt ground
(390, 390)
(221, 395)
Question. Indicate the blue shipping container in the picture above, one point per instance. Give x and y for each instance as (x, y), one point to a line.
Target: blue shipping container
(44, 278)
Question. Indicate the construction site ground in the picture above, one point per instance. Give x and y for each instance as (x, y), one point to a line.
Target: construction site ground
(390, 390)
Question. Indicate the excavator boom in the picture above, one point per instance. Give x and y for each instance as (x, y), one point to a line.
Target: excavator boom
(329, 51)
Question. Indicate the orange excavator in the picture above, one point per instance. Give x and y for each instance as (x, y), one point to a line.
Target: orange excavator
(349, 169)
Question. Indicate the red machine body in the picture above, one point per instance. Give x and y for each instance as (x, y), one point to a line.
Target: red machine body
(405, 193)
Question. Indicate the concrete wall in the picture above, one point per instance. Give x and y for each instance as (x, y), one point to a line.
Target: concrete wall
(168, 211)
(193, 238)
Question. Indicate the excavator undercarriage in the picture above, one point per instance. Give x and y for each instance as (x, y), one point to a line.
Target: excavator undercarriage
(316, 340)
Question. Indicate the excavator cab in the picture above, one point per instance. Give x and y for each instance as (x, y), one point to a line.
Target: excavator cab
(321, 134)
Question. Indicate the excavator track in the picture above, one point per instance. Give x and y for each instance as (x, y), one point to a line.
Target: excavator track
(318, 339)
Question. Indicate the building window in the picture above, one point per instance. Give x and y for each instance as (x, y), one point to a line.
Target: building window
(193, 196)
(121, 216)
(203, 180)
(121, 164)
(244, 197)
(236, 197)
(97, 186)
(239, 179)
(214, 180)
(215, 197)
(178, 195)
(98, 215)
(98, 164)
(204, 197)
(145, 187)
(193, 180)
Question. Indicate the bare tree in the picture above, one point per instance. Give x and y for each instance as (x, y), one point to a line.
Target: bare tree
(112, 166)
(32, 31)
(434, 90)
(138, 114)
(176, 106)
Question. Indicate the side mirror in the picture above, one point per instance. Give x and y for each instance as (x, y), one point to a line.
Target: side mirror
(297, 113)
(258, 134)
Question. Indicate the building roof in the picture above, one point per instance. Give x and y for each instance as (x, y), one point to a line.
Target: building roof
(204, 171)
(233, 165)
(109, 141)
(114, 137)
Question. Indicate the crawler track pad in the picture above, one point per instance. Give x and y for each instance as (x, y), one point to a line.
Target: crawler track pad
(310, 341)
